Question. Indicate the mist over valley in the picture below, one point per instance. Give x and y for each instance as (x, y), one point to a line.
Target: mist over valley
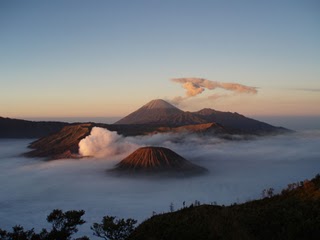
(162, 120)
(238, 172)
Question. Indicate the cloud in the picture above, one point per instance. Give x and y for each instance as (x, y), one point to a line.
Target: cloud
(238, 171)
(195, 86)
(307, 89)
(104, 143)
(217, 96)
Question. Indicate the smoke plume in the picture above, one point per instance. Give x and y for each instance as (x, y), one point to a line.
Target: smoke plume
(195, 86)
(104, 143)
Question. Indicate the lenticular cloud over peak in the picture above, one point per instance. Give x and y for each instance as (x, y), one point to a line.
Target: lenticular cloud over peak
(103, 143)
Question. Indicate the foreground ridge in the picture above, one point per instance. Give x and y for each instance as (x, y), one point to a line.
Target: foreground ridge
(293, 214)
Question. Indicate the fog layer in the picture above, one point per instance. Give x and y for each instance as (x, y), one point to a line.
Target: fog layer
(238, 171)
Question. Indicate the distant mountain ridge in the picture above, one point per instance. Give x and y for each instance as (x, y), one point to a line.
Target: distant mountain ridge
(161, 113)
(236, 122)
(155, 116)
(17, 128)
(60, 140)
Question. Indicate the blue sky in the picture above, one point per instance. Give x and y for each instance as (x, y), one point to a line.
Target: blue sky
(106, 58)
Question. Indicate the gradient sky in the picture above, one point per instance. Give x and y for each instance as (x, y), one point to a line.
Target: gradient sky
(107, 58)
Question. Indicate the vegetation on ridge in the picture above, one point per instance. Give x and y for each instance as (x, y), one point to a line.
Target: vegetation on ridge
(293, 214)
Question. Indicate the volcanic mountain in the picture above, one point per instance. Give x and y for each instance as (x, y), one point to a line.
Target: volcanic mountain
(63, 144)
(161, 113)
(157, 160)
(157, 116)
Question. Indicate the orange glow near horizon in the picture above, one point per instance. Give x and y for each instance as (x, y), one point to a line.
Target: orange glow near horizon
(265, 103)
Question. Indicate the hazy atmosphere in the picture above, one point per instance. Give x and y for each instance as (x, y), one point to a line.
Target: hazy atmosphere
(231, 86)
(238, 172)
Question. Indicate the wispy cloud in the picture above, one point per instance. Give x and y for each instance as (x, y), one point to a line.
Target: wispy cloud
(195, 86)
(306, 89)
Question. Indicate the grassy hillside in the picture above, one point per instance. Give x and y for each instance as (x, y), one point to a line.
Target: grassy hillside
(293, 214)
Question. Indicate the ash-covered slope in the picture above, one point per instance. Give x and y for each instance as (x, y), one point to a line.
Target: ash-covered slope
(64, 144)
(157, 160)
(161, 113)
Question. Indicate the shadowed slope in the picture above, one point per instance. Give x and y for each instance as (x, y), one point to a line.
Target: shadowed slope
(238, 123)
(63, 144)
(204, 128)
(157, 159)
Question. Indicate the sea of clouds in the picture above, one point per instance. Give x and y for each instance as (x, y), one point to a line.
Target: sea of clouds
(238, 171)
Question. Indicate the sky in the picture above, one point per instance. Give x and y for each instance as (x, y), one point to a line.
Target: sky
(107, 58)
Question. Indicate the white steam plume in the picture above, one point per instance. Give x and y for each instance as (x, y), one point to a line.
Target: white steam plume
(195, 86)
(104, 143)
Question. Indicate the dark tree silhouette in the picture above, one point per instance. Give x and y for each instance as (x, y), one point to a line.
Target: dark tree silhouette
(18, 233)
(64, 224)
(114, 229)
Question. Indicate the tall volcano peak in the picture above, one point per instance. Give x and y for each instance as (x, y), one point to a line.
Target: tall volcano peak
(160, 112)
(159, 104)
